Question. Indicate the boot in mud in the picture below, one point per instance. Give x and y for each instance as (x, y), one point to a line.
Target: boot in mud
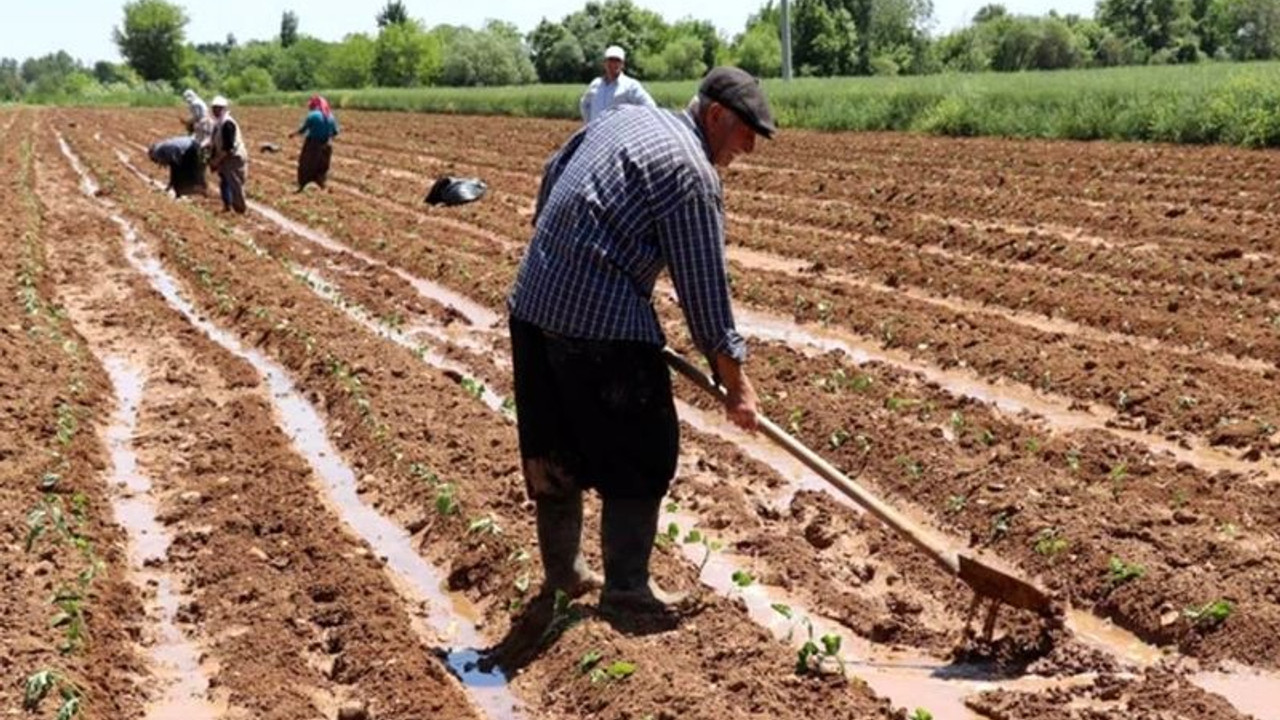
(627, 530)
(559, 543)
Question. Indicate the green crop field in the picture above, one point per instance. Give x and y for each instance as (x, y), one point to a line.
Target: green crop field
(1232, 103)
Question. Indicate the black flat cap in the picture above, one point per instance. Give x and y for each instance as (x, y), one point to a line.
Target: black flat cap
(740, 91)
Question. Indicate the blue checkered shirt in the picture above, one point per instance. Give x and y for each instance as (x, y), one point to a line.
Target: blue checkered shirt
(627, 195)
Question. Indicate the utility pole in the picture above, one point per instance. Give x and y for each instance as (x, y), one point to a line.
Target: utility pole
(786, 40)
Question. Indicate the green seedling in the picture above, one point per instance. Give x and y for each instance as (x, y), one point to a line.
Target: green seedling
(589, 660)
(669, 536)
(742, 578)
(1000, 525)
(957, 421)
(1210, 614)
(672, 506)
(794, 420)
(38, 686)
(1073, 460)
(509, 405)
(956, 503)
(446, 500)
(1033, 446)
(66, 424)
(811, 655)
(694, 537)
(522, 583)
(897, 404)
(620, 669)
(70, 618)
(474, 387)
(421, 472)
(987, 438)
(519, 555)
(1119, 572)
(1180, 498)
(913, 467)
(783, 610)
(920, 714)
(1050, 543)
(485, 526)
(839, 438)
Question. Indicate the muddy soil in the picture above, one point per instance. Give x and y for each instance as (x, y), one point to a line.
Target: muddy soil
(1054, 353)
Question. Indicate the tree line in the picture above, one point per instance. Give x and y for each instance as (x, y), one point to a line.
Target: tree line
(829, 38)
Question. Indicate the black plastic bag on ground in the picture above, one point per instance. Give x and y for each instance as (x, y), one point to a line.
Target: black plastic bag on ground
(456, 191)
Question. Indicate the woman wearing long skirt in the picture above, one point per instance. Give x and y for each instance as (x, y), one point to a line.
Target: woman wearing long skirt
(319, 128)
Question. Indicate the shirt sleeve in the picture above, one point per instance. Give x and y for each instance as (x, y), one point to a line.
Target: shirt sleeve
(640, 96)
(228, 137)
(692, 241)
(584, 104)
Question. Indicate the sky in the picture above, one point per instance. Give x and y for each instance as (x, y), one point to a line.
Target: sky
(83, 27)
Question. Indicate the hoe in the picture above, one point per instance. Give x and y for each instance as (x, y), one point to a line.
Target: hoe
(987, 580)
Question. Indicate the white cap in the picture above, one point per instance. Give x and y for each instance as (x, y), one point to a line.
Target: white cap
(613, 51)
(219, 102)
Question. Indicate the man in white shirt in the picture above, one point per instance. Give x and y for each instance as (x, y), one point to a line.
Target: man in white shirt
(612, 88)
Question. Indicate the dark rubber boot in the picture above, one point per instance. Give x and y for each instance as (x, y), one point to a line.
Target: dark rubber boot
(559, 543)
(628, 527)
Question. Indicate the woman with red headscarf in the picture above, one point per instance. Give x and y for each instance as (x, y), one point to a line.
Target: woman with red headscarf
(319, 127)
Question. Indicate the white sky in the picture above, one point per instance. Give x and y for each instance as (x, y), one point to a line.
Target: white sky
(83, 27)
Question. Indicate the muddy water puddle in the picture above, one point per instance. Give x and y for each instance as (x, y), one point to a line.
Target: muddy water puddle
(175, 660)
(448, 620)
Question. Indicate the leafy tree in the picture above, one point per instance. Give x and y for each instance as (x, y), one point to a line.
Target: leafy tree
(824, 39)
(405, 56)
(349, 63)
(1155, 22)
(681, 59)
(152, 38)
(288, 28)
(1246, 29)
(11, 83)
(557, 54)
(759, 50)
(707, 36)
(393, 13)
(490, 57)
(54, 65)
(299, 67)
(987, 13)
(252, 80)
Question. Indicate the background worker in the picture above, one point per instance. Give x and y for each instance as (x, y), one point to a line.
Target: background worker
(630, 193)
(319, 128)
(181, 155)
(612, 88)
(229, 158)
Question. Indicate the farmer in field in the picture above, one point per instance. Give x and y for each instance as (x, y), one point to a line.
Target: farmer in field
(319, 128)
(613, 88)
(626, 196)
(181, 155)
(198, 121)
(229, 157)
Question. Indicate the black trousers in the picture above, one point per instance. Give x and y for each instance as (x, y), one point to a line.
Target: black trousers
(593, 414)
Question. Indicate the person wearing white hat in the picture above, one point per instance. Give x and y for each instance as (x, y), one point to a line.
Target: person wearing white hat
(230, 158)
(612, 88)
